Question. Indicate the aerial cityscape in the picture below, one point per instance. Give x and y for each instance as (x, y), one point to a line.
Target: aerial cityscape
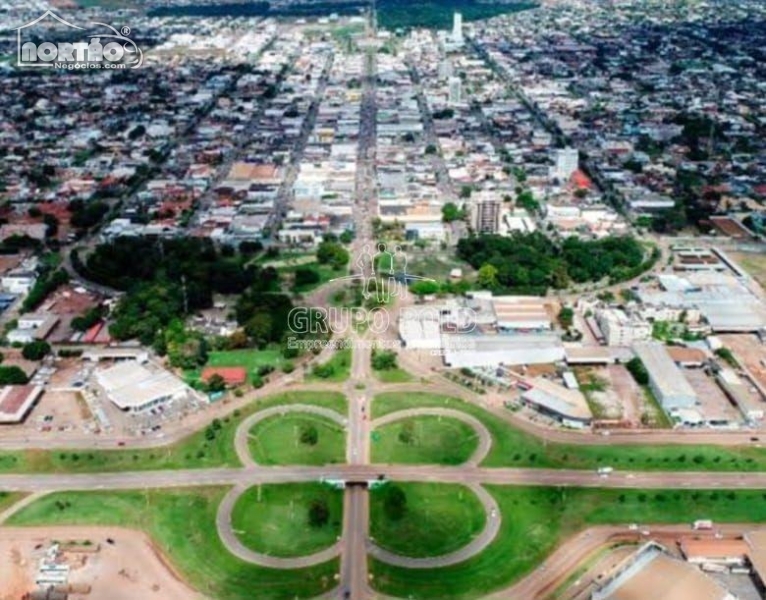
(350, 299)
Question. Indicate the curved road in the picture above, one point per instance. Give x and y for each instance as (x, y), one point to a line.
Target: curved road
(238, 549)
(477, 545)
(243, 429)
(485, 437)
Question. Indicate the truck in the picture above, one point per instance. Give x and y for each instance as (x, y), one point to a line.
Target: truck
(702, 525)
(603, 471)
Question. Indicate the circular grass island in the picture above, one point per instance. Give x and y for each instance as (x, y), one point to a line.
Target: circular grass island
(297, 439)
(288, 520)
(424, 519)
(426, 439)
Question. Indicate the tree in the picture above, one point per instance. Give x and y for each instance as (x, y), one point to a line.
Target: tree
(566, 317)
(465, 191)
(394, 503)
(407, 433)
(319, 513)
(638, 370)
(306, 276)
(383, 360)
(36, 350)
(332, 253)
(216, 383)
(487, 277)
(12, 376)
(425, 288)
(309, 435)
(450, 213)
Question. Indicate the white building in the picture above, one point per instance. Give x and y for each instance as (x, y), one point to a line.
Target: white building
(666, 380)
(134, 388)
(457, 29)
(455, 90)
(567, 162)
(621, 329)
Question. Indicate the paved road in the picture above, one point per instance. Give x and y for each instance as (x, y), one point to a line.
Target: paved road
(233, 545)
(242, 434)
(485, 437)
(364, 472)
(477, 545)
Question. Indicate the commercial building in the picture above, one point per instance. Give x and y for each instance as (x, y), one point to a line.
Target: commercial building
(622, 329)
(486, 215)
(567, 162)
(666, 380)
(566, 405)
(652, 573)
(17, 401)
(135, 388)
(455, 91)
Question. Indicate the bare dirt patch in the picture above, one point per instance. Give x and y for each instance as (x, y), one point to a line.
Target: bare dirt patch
(130, 568)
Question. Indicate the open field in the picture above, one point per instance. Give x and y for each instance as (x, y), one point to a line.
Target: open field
(193, 452)
(182, 524)
(277, 441)
(514, 448)
(439, 518)
(424, 440)
(393, 376)
(752, 262)
(536, 519)
(337, 368)
(252, 360)
(273, 519)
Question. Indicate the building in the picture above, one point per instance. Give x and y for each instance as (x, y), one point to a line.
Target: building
(567, 162)
(32, 327)
(621, 329)
(17, 401)
(486, 215)
(135, 388)
(474, 350)
(652, 573)
(457, 29)
(566, 405)
(232, 376)
(455, 95)
(666, 380)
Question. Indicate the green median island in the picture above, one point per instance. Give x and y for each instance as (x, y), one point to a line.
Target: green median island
(181, 522)
(424, 440)
(512, 447)
(288, 520)
(424, 519)
(212, 446)
(535, 520)
(297, 439)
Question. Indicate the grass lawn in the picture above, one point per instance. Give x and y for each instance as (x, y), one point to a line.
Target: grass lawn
(439, 518)
(8, 499)
(424, 440)
(396, 375)
(337, 368)
(514, 448)
(251, 359)
(193, 452)
(274, 520)
(182, 524)
(277, 441)
(536, 519)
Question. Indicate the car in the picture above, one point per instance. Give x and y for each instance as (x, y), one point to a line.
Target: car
(120, 444)
(754, 439)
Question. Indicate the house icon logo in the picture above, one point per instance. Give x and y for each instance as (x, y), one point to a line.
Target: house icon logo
(51, 41)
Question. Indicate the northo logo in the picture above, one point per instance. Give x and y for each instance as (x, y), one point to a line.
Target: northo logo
(104, 49)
